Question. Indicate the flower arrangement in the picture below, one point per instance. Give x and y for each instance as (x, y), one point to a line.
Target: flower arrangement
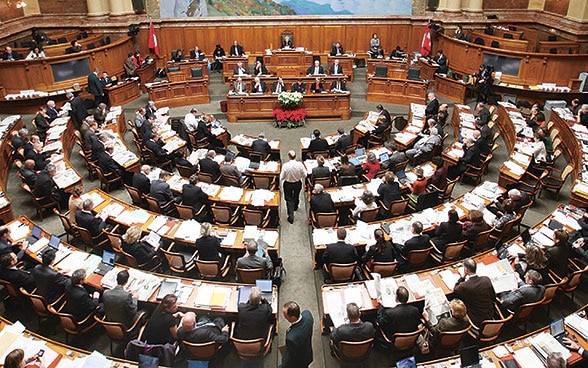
(291, 118)
(289, 100)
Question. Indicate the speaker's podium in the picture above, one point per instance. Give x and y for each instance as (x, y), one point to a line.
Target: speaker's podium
(288, 63)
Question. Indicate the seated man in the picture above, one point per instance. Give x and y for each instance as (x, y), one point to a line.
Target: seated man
(161, 191)
(258, 86)
(338, 85)
(230, 169)
(345, 140)
(191, 120)
(193, 196)
(320, 171)
(37, 155)
(261, 145)
(400, 319)
(418, 241)
(119, 304)
(9, 55)
(336, 68)
(236, 49)
(203, 331)
(339, 252)
(320, 201)
(87, 219)
(75, 47)
(6, 245)
(299, 86)
(424, 145)
(318, 143)
(79, 302)
(18, 140)
(240, 69)
(181, 160)
(441, 60)
(254, 317)
(389, 190)
(529, 291)
(250, 260)
(209, 166)
(355, 330)
(9, 272)
(155, 144)
(279, 86)
(45, 186)
(239, 86)
(109, 166)
(337, 49)
(397, 53)
(518, 198)
(50, 283)
(471, 157)
(141, 181)
(28, 172)
(315, 69)
(317, 86)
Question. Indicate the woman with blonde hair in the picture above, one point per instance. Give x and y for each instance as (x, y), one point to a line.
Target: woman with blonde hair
(533, 259)
(137, 247)
(367, 201)
(75, 202)
(371, 167)
(208, 246)
(458, 320)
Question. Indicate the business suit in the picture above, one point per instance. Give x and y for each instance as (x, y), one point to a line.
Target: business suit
(29, 175)
(338, 85)
(208, 165)
(160, 154)
(79, 303)
(253, 261)
(18, 278)
(141, 182)
(298, 349)
(205, 332)
(557, 259)
(340, 252)
(318, 144)
(94, 143)
(262, 146)
(50, 283)
(95, 87)
(161, 191)
(442, 61)
(260, 87)
(478, 295)
(321, 203)
(336, 50)
(432, 108)
(42, 123)
(209, 248)
(423, 146)
(344, 141)
(236, 50)
(386, 113)
(335, 69)
(120, 306)
(181, 161)
(320, 172)
(254, 320)
(415, 243)
(78, 111)
(44, 186)
(193, 196)
(39, 158)
(108, 165)
(525, 293)
(232, 171)
(52, 112)
(240, 70)
(360, 331)
(484, 116)
(447, 232)
(471, 232)
(197, 55)
(400, 319)
(90, 222)
(389, 192)
(16, 141)
(142, 251)
(278, 87)
(314, 70)
(240, 87)
(299, 87)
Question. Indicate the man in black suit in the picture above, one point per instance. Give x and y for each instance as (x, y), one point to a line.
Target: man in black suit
(418, 241)
(354, 330)
(320, 201)
(400, 319)
(484, 141)
(482, 113)
(236, 49)
(318, 144)
(75, 47)
(95, 87)
(476, 292)
(258, 86)
(18, 140)
(338, 85)
(203, 331)
(193, 196)
(78, 110)
(345, 140)
(208, 165)
(336, 68)
(339, 252)
(441, 60)
(261, 145)
(9, 55)
(28, 172)
(432, 106)
(254, 317)
(299, 86)
(141, 180)
(150, 109)
(107, 163)
(161, 191)
(155, 144)
(9, 272)
(46, 187)
(50, 283)
(389, 190)
(529, 291)
(471, 156)
(92, 141)
(79, 302)
(42, 123)
(298, 349)
(119, 304)
(383, 112)
(181, 160)
(52, 111)
(337, 49)
(88, 220)
(39, 158)
(315, 69)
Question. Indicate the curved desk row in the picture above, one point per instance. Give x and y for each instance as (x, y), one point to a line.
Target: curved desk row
(9, 125)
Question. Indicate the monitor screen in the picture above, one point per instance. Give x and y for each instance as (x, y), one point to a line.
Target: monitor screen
(264, 285)
(469, 356)
(108, 257)
(557, 327)
(54, 241)
(37, 232)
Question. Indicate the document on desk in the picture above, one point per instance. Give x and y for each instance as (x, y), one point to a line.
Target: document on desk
(274, 144)
(189, 230)
(388, 288)
(113, 209)
(210, 189)
(544, 343)
(260, 196)
(352, 294)
(270, 237)
(144, 284)
(335, 307)
(96, 360)
(525, 357)
(18, 230)
(323, 236)
(577, 323)
(95, 197)
(449, 278)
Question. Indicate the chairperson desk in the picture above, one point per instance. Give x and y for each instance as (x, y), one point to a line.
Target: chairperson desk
(518, 67)
(395, 68)
(261, 107)
(326, 80)
(504, 43)
(399, 227)
(123, 93)
(57, 73)
(192, 294)
(290, 63)
(243, 144)
(186, 66)
(8, 126)
(183, 232)
(229, 65)
(146, 74)
(452, 89)
(174, 94)
(396, 91)
(56, 354)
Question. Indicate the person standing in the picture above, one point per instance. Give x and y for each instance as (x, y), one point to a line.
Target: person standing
(292, 175)
(298, 349)
(95, 87)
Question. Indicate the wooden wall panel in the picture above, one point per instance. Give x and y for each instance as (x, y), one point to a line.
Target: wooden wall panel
(7, 13)
(506, 4)
(557, 6)
(63, 7)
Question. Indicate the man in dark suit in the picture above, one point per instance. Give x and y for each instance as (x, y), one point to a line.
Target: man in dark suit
(161, 191)
(78, 110)
(236, 49)
(208, 165)
(79, 302)
(318, 144)
(315, 69)
(39, 158)
(518, 198)
(52, 111)
(317, 86)
(45, 187)
(9, 55)
(141, 181)
(107, 163)
(337, 49)
(75, 47)
(441, 60)
(261, 145)
(476, 292)
(50, 283)
(299, 86)
(42, 123)
(471, 156)
(345, 140)
(18, 140)
(400, 319)
(88, 220)
(389, 190)
(92, 140)
(95, 87)
(258, 86)
(28, 172)
(193, 196)
(354, 330)
(529, 291)
(384, 112)
(482, 113)
(119, 304)
(298, 349)
(240, 69)
(339, 252)
(432, 106)
(418, 241)
(203, 331)
(336, 68)
(338, 86)
(155, 144)
(254, 317)
(9, 272)
(320, 201)
(251, 260)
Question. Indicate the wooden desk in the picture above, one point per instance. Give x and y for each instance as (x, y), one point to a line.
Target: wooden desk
(229, 65)
(243, 143)
(60, 48)
(396, 67)
(562, 47)
(504, 43)
(288, 81)
(67, 176)
(396, 91)
(428, 70)
(261, 107)
(518, 160)
(500, 31)
(186, 67)
(291, 63)
(462, 122)
(146, 74)
(123, 93)
(450, 88)
(346, 62)
(13, 124)
(190, 92)
(30, 105)
(531, 93)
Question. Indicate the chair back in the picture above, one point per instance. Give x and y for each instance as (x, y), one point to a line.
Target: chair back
(524, 312)
(449, 340)
(316, 154)
(185, 212)
(418, 257)
(115, 330)
(326, 219)
(551, 290)
(453, 250)
(565, 172)
(507, 228)
(67, 226)
(350, 150)
(205, 177)
(574, 280)
(482, 239)
(208, 269)
(355, 351)
(400, 166)
(38, 302)
(369, 215)
(85, 235)
(201, 351)
(221, 214)
(262, 182)
(176, 261)
(325, 182)
(347, 180)
(184, 171)
(131, 260)
(405, 341)
(385, 269)
(67, 321)
(248, 276)
(230, 181)
(490, 329)
(10, 288)
(449, 189)
(252, 217)
(135, 195)
(115, 241)
(398, 207)
(153, 204)
(427, 200)
(342, 272)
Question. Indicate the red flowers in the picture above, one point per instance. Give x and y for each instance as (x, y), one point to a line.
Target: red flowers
(295, 115)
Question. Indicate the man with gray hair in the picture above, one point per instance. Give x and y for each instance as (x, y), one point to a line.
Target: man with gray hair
(254, 317)
(45, 187)
(28, 172)
(425, 145)
(518, 198)
(150, 109)
(37, 155)
(203, 331)
(78, 111)
(89, 220)
(355, 330)
(79, 302)
(251, 260)
(18, 140)
(471, 156)
(141, 180)
(555, 360)
(52, 111)
(321, 201)
(95, 87)
(260, 145)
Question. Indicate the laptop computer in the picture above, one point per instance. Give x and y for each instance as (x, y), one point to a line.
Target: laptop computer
(167, 287)
(384, 157)
(402, 178)
(266, 287)
(107, 263)
(557, 329)
(360, 154)
(470, 357)
(526, 237)
(409, 362)
(54, 242)
(35, 235)
(254, 161)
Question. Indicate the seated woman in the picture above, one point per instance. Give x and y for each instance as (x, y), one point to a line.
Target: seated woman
(371, 167)
(456, 322)
(532, 259)
(507, 215)
(439, 177)
(16, 359)
(474, 226)
(346, 168)
(382, 251)
(137, 247)
(447, 232)
(209, 246)
(419, 186)
(539, 155)
(162, 328)
(365, 202)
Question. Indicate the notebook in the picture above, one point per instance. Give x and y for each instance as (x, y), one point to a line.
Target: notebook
(470, 357)
(167, 287)
(384, 157)
(557, 329)
(360, 154)
(266, 287)
(35, 236)
(107, 263)
(402, 178)
(254, 161)
(54, 242)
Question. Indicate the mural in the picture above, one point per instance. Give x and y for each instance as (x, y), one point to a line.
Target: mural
(212, 8)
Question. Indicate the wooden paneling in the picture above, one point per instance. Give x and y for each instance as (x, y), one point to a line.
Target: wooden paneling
(123, 93)
(562, 47)
(63, 7)
(180, 93)
(7, 13)
(557, 6)
(506, 4)
(504, 43)
(397, 91)
(453, 89)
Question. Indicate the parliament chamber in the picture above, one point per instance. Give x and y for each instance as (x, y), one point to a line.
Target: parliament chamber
(183, 113)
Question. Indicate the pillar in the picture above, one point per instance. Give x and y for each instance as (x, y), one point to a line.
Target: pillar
(96, 8)
(578, 10)
(450, 5)
(476, 5)
(32, 8)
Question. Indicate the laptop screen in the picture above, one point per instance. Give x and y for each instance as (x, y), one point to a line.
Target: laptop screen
(108, 257)
(54, 242)
(400, 174)
(526, 236)
(409, 362)
(557, 327)
(36, 232)
(359, 152)
(264, 285)
(469, 356)
(384, 157)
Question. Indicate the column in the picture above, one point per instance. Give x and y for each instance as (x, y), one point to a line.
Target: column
(578, 10)
(117, 7)
(32, 8)
(451, 5)
(476, 5)
(96, 8)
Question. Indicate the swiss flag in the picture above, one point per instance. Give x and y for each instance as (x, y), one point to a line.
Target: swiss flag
(153, 40)
(426, 43)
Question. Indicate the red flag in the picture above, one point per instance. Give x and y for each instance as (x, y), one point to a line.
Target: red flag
(153, 40)
(426, 43)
